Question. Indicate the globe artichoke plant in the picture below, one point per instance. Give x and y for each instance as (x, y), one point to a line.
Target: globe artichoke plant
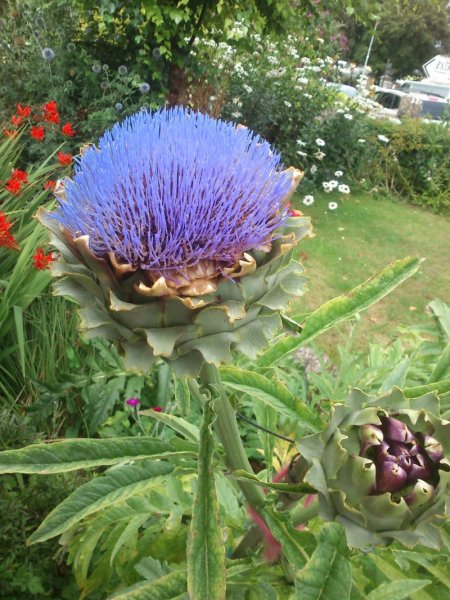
(381, 468)
(175, 238)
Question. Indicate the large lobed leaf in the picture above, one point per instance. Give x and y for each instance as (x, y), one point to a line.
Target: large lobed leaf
(328, 574)
(343, 307)
(168, 587)
(272, 393)
(117, 485)
(69, 455)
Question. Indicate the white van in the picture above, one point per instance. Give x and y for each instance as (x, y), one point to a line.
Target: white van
(426, 86)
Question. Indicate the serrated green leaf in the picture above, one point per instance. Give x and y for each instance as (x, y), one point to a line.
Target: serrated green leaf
(178, 424)
(116, 485)
(394, 574)
(69, 455)
(397, 590)
(291, 540)
(168, 587)
(288, 488)
(343, 307)
(271, 392)
(442, 366)
(437, 572)
(206, 573)
(440, 387)
(396, 376)
(328, 575)
(182, 395)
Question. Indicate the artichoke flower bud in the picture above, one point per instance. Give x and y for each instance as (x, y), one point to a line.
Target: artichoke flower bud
(421, 494)
(370, 435)
(174, 236)
(433, 448)
(381, 468)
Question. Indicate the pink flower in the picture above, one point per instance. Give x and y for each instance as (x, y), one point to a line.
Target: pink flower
(133, 401)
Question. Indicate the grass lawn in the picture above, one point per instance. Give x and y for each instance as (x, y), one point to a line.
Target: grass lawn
(357, 240)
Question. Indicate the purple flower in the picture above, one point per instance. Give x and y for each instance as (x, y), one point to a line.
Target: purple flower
(133, 402)
(169, 190)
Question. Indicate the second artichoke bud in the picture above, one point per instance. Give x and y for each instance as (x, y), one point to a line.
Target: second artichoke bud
(381, 468)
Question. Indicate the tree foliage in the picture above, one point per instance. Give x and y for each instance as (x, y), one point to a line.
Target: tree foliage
(409, 33)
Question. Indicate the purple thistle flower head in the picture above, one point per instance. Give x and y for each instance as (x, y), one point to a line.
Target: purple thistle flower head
(173, 191)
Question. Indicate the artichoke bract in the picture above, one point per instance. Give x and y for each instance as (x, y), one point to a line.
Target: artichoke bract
(381, 468)
(174, 235)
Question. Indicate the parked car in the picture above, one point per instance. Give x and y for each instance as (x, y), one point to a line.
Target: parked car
(399, 103)
(428, 87)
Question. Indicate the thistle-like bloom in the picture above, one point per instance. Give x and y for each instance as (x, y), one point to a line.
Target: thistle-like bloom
(176, 194)
(381, 468)
(176, 239)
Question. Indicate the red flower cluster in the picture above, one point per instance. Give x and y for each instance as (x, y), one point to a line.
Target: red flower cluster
(64, 158)
(51, 114)
(42, 260)
(7, 240)
(67, 129)
(50, 185)
(23, 111)
(16, 181)
(47, 114)
(38, 133)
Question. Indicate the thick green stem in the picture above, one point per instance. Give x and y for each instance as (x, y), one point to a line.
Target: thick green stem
(301, 514)
(228, 431)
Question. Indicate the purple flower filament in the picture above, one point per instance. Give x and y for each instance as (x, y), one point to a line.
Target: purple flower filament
(168, 189)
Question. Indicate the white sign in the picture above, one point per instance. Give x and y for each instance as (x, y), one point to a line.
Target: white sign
(438, 68)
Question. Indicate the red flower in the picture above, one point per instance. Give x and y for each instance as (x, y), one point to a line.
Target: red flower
(9, 133)
(293, 212)
(42, 260)
(50, 185)
(19, 175)
(13, 185)
(68, 130)
(6, 238)
(23, 111)
(38, 133)
(15, 120)
(51, 112)
(64, 159)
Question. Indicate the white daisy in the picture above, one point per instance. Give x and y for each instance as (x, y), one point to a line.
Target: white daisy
(321, 142)
(383, 138)
(308, 200)
(344, 189)
(301, 153)
(348, 116)
(327, 187)
(333, 184)
(361, 141)
(338, 173)
(332, 205)
(314, 169)
(319, 155)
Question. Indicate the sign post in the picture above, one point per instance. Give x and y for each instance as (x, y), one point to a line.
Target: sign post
(438, 68)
